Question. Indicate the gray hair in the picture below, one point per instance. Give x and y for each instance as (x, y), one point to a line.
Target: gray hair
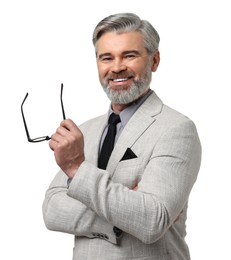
(128, 22)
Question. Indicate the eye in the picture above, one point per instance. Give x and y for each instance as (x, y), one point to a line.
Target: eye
(105, 59)
(130, 56)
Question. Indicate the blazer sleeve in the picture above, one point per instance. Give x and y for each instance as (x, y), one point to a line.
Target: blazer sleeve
(162, 193)
(65, 214)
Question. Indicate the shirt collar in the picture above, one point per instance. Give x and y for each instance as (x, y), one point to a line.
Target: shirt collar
(127, 113)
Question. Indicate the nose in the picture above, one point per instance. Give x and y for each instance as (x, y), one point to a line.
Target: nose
(118, 66)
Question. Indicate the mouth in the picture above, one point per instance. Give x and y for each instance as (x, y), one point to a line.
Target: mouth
(120, 80)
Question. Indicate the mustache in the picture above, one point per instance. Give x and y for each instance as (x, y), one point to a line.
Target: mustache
(120, 75)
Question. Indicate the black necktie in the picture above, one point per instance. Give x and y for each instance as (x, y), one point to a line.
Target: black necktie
(109, 140)
(106, 150)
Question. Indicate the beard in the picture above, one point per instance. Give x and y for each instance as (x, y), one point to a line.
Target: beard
(124, 95)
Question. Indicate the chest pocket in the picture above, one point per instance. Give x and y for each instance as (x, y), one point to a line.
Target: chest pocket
(129, 172)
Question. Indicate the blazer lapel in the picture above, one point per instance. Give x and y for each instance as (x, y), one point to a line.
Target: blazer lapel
(136, 126)
(92, 138)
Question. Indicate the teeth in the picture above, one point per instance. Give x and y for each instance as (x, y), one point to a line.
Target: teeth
(118, 80)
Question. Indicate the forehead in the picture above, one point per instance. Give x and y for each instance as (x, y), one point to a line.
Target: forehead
(115, 43)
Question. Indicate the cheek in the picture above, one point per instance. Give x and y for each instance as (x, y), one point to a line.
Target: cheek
(144, 69)
(138, 71)
(138, 66)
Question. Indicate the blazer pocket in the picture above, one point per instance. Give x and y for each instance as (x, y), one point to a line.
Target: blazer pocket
(129, 172)
(129, 154)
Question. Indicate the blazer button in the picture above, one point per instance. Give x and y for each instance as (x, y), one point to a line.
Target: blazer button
(105, 236)
(100, 235)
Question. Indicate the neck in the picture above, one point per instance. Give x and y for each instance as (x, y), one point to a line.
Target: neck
(117, 108)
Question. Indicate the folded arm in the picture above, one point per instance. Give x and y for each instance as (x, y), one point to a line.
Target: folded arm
(65, 214)
(162, 192)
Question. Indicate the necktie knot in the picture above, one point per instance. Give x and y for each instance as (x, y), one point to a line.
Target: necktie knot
(114, 119)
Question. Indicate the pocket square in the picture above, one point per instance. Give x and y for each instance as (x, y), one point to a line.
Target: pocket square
(129, 154)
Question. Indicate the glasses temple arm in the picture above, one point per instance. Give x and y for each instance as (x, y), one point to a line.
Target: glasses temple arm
(61, 99)
(23, 117)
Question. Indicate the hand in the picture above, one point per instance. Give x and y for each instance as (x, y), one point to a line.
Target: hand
(67, 144)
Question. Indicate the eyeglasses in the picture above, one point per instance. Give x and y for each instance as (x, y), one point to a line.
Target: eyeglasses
(43, 138)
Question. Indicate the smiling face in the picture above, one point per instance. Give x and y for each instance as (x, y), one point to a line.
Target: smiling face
(124, 65)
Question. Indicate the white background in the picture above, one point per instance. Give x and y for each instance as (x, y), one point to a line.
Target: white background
(44, 43)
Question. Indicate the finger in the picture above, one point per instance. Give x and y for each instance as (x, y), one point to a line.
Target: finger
(56, 137)
(69, 124)
(62, 131)
(52, 144)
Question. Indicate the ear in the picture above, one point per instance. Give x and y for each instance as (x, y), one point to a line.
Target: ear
(156, 61)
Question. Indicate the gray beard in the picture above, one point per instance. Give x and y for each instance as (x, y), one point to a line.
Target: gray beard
(127, 96)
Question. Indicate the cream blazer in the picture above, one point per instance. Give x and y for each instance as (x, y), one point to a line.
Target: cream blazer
(163, 160)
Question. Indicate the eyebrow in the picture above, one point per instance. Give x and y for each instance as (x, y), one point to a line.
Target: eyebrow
(123, 53)
(104, 54)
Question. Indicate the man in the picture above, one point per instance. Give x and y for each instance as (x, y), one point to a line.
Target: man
(134, 205)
